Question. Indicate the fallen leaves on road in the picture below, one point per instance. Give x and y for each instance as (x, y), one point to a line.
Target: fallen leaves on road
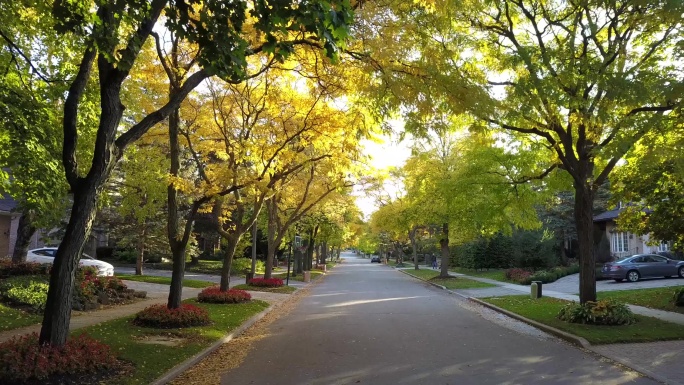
(232, 354)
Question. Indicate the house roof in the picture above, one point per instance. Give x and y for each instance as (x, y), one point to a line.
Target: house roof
(611, 215)
(7, 204)
(607, 216)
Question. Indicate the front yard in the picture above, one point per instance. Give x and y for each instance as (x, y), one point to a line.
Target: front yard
(658, 298)
(545, 310)
(450, 283)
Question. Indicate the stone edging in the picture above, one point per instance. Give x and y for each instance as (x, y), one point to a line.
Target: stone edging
(187, 364)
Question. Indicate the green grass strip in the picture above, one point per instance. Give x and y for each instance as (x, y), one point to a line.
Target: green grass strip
(450, 283)
(151, 361)
(659, 298)
(544, 310)
(165, 280)
(498, 275)
(281, 290)
(13, 318)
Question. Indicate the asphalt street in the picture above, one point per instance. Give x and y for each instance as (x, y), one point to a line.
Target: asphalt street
(369, 324)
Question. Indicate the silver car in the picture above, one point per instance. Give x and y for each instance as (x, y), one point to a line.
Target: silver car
(641, 266)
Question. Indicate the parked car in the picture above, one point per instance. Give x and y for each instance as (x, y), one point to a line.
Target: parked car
(375, 259)
(641, 266)
(46, 255)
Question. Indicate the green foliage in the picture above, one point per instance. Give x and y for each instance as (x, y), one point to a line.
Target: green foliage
(28, 290)
(678, 297)
(532, 249)
(159, 316)
(603, 312)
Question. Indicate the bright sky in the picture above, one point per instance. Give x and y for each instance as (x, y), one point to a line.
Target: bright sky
(383, 156)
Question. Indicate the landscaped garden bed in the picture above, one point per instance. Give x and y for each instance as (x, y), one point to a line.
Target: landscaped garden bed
(24, 287)
(146, 353)
(545, 310)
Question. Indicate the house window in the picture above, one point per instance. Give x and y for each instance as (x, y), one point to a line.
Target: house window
(620, 242)
(663, 246)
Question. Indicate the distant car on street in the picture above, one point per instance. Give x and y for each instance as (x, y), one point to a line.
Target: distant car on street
(642, 266)
(375, 259)
(46, 255)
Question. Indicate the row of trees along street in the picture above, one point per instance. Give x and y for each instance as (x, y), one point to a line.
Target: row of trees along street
(186, 109)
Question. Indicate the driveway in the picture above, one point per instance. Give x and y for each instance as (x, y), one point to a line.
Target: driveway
(369, 324)
(570, 284)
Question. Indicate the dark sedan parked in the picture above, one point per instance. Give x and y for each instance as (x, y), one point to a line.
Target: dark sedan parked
(641, 266)
(375, 259)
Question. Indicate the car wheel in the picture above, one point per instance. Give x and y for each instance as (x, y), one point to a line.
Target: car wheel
(633, 276)
(618, 280)
(681, 272)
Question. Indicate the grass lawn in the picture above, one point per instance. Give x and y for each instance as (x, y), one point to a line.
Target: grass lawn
(282, 289)
(204, 267)
(314, 274)
(491, 274)
(12, 318)
(449, 283)
(152, 360)
(659, 298)
(165, 280)
(545, 309)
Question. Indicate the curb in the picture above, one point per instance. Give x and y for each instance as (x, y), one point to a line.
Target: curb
(579, 341)
(187, 364)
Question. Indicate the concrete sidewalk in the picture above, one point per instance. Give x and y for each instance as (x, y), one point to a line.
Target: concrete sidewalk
(661, 360)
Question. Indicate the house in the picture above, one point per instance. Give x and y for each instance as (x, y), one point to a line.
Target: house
(623, 243)
(9, 223)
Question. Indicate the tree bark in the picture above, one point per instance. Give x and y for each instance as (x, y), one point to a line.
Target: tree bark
(324, 252)
(584, 202)
(412, 238)
(25, 232)
(231, 246)
(141, 251)
(444, 245)
(55, 327)
(271, 237)
(178, 246)
(254, 247)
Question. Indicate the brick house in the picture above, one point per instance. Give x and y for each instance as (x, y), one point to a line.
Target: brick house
(624, 243)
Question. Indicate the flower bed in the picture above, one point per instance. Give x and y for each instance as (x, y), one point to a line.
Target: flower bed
(521, 276)
(22, 360)
(215, 295)
(604, 312)
(159, 316)
(525, 277)
(266, 282)
(9, 269)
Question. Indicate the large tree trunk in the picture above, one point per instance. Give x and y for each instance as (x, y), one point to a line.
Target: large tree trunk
(444, 245)
(298, 262)
(584, 202)
(141, 251)
(55, 327)
(412, 238)
(254, 247)
(271, 237)
(25, 232)
(324, 252)
(178, 246)
(231, 246)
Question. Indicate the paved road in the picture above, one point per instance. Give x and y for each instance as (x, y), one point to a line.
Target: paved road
(368, 324)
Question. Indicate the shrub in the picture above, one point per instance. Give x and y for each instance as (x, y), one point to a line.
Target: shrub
(604, 312)
(266, 282)
(23, 360)
(678, 297)
(215, 295)
(241, 264)
(9, 269)
(521, 276)
(29, 290)
(159, 316)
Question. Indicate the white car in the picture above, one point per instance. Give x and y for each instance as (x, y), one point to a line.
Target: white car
(46, 255)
